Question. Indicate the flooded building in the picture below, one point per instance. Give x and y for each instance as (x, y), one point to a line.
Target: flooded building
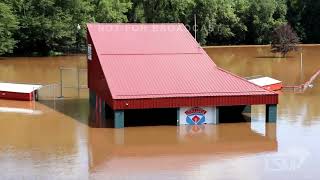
(159, 72)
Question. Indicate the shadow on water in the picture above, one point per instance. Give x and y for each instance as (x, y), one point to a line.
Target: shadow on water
(77, 109)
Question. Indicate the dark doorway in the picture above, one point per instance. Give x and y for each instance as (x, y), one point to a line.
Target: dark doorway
(150, 117)
(232, 114)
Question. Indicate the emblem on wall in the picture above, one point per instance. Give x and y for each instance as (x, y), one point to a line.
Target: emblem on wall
(196, 116)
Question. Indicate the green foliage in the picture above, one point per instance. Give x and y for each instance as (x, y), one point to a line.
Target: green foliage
(136, 13)
(8, 24)
(294, 16)
(164, 11)
(111, 10)
(310, 20)
(81, 12)
(205, 11)
(262, 17)
(228, 26)
(303, 15)
(51, 26)
(218, 21)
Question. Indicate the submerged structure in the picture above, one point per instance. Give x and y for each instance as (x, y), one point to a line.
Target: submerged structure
(22, 92)
(267, 83)
(159, 71)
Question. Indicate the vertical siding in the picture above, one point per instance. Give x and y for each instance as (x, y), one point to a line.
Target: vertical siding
(16, 96)
(195, 101)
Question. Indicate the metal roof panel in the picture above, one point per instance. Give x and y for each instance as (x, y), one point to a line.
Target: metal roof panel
(159, 61)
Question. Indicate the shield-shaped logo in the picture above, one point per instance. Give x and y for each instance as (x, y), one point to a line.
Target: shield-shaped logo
(196, 116)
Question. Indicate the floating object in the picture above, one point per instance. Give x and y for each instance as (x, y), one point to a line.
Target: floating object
(22, 92)
(311, 80)
(309, 84)
(267, 83)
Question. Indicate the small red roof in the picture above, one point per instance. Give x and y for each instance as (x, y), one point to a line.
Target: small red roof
(143, 61)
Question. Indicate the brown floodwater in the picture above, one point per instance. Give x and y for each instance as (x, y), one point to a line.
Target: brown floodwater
(51, 139)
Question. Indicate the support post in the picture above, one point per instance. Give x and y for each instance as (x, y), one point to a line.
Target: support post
(78, 81)
(103, 113)
(118, 119)
(61, 83)
(178, 116)
(92, 98)
(217, 118)
(271, 113)
(247, 109)
(247, 113)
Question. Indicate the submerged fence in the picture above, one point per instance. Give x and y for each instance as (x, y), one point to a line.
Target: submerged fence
(49, 92)
(303, 87)
(73, 82)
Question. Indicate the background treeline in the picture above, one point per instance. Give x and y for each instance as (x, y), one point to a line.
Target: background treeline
(47, 26)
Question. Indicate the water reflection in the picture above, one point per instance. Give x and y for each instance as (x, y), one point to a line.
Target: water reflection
(41, 146)
(172, 149)
(58, 143)
(77, 109)
(19, 107)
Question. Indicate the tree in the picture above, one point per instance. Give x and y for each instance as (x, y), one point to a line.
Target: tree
(49, 25)
(111, 10)
(167, 11)
(295, 17)
(8, 24)
(82, 13)
(205, 11)
(136, 13)
(303, 16)
(228, 27)
(309, 21)
(262, 17)
(284, 40)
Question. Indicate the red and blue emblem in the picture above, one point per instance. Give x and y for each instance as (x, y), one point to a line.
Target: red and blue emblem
(196, 116)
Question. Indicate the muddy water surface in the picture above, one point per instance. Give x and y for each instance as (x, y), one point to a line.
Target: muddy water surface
(52, 140)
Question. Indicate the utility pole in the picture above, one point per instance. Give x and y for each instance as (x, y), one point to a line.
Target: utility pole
(195, 27)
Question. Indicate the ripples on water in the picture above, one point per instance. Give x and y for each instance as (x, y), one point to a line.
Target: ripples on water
(53, 141)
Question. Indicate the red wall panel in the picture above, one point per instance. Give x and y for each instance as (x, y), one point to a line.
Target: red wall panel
(16, 96)
(195, 101)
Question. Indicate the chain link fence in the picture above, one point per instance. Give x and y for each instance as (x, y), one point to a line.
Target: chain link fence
(73, 83)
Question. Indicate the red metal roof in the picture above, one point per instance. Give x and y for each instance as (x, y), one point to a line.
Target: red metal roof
(120, 39)
(151, 61)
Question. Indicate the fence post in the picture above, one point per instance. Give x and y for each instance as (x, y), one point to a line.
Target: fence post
(61, 86)
(34, 98)
(78, 80)
(54, 96)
